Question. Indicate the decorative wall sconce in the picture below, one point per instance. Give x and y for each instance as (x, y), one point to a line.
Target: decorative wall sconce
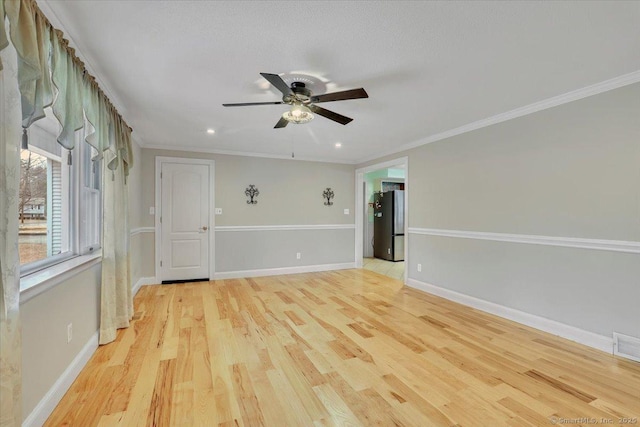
(251, 192)
(328, 194)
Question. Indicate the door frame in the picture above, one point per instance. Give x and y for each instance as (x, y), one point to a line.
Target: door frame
(158, 209)
(361, 202)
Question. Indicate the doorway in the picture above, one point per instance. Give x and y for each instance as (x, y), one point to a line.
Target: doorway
(184, 220)
(382, 191)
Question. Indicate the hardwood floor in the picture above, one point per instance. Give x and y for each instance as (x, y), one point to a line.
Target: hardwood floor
(395, 270)
(349, 347)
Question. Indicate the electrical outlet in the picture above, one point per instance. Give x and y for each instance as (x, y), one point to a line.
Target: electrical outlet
(69, 332)
(152, 210)
(298, 255)
(218, 211)
(346, 211)
(419, 267)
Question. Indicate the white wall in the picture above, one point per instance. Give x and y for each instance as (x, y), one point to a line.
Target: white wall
(572, 171)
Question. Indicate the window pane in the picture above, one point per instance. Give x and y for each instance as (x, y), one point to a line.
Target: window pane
(43, 207)
(90, 199)
(32, 207)
(91, 168)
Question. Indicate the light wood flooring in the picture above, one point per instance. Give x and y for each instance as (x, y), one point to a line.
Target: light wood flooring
(395, 270)
(348, 347)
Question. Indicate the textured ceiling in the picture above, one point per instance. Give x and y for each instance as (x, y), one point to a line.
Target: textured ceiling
(428, 67)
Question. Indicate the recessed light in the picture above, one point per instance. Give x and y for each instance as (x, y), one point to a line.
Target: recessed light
(211, 131)
(338, 144)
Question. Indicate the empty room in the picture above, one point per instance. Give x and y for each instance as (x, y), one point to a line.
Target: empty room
(319, 213)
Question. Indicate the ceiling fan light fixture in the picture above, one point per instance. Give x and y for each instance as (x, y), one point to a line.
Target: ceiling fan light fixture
(298, 114)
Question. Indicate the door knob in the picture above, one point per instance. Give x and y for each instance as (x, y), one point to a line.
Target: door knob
(205, 228)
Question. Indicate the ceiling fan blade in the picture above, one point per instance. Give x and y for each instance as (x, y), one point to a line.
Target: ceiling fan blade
(277, 81)
(343, 120)
(340, 96)
(281, 123)
(244, 104)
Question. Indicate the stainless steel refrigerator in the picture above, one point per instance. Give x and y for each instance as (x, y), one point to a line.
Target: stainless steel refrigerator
(388, 225)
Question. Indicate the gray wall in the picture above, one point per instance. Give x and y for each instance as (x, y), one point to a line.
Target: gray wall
(45, 352)
(569, 171)
(138, 257)
(238, 251)
(290, 194)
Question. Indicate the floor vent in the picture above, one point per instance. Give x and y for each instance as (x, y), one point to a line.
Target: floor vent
(626, 346)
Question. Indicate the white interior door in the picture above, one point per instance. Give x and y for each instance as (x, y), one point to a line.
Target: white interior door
(184, 221)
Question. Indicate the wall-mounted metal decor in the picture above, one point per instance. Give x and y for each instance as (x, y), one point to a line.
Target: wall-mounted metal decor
(251, 192)
(328, 194)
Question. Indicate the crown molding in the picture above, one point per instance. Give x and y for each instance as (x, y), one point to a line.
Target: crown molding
(244, 154)
(605, 86)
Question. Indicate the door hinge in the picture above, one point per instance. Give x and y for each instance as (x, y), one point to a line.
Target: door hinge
(160, 263)
(160, 175)
(160, 220)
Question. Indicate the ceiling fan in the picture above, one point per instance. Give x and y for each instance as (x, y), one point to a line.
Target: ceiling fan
(303, 102)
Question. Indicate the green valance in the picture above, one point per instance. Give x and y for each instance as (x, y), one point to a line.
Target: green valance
(50, 74)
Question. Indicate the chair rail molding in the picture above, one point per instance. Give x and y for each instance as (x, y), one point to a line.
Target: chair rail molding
(139, 230)
(569, 242)
(285, 227)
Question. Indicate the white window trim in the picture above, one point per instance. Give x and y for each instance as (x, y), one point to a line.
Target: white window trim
(41, 281)
(42, 275)
(35, 272)
(70, 200)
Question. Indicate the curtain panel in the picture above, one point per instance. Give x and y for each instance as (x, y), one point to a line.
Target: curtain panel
(10, 330)
(40, 71)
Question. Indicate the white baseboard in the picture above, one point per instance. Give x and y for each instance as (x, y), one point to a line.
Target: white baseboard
(572, 333)
(45, 407)
(143, 281)
(283, 270)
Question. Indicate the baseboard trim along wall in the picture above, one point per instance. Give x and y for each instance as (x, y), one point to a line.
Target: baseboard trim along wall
(143, 281)
(572, 333)
(45, 407)
(569, 242)
(139, 230)
(283, 270)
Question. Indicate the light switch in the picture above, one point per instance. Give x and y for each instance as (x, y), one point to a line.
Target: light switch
(346, 211)
(218, 211)
(152, 210)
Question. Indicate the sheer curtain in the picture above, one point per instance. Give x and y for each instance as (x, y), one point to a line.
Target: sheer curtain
(116, 306)
(10, 338)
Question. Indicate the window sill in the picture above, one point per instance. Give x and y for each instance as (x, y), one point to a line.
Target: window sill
(41, 281)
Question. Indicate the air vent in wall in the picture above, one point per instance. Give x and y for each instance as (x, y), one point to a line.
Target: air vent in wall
(626, 346)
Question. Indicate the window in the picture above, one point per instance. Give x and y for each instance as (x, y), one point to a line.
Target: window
(90, 200)
(32, 211)
(59, 204)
